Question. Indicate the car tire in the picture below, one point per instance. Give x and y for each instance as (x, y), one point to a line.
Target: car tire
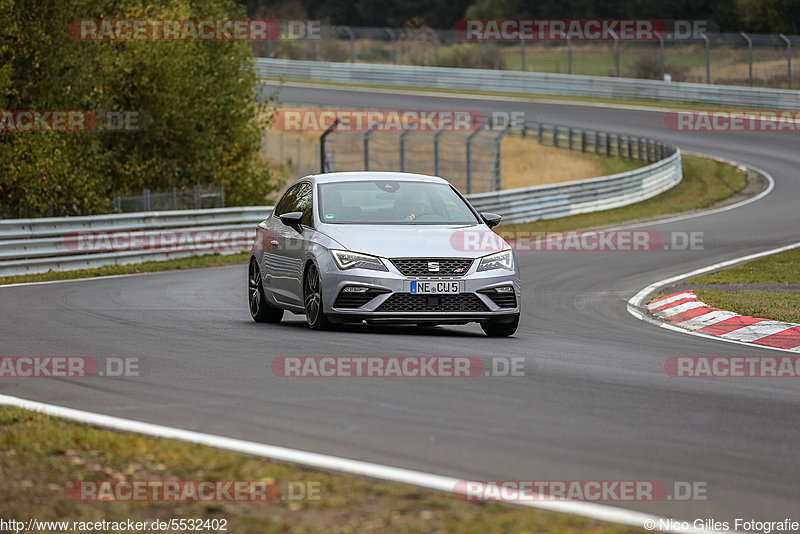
(312, 300)
(260, 310)
(496, 329)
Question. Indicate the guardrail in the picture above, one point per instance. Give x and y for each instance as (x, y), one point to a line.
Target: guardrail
(40, 245)
(582, 196)
(526, 82)
(68, 243)
(56, 245)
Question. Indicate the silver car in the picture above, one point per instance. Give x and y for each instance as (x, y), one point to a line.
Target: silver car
(382, 247)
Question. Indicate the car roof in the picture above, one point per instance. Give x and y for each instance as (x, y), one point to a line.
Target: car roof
(357, 176)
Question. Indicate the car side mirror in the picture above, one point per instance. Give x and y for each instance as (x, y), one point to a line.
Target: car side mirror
(491, 219)
(292, 219)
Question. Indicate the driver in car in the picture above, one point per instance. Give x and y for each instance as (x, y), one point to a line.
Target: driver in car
(413, 206)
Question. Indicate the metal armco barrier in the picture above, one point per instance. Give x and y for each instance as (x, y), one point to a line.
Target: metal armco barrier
(582, 196)
(41, 245)
(526, 82)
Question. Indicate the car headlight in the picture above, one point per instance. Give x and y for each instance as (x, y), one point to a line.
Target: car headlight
(498, 260)
(353, 260)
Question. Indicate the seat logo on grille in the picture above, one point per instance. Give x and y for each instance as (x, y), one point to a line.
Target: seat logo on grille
(433, 266)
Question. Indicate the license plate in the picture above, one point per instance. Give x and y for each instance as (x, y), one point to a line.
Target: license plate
(434, 287)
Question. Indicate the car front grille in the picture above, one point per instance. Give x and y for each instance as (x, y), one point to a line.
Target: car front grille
(503, 300)
(406, 302)
(448, 267)
(356, 300)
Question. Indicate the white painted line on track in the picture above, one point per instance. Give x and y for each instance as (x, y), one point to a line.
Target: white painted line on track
(445, 484)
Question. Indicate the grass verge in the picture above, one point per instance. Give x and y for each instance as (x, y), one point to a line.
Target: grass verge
(40, 455)
(783, 268)
(783, 306)
(192, 262)
(705, 182)
(643, 102)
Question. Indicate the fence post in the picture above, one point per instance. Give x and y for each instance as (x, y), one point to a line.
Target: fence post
(616, 56)
(196, 197)
(392, 38)
(522, 46)
(174, 198)
(569, 56)
(583, 141)
(608, 144)
(663, 63)
(788, 59)
(708, 56)
(469, 167)
(323, 165)
(494, 183)
(436, 47)
(596, 142)
(436, 137)
(367, 135)
(749, 56)
(630, 148)
(352, 37)
(222, 194)
(569, 138)
(555, 136)
(146, 200)
(540, 132)
(403, 150)
(119, 203)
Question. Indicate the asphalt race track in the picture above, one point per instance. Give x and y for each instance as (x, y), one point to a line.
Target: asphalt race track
(595, 402)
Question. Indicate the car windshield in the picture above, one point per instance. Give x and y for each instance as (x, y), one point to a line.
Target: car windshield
(393, 202)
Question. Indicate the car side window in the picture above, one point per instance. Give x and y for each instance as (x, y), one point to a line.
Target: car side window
(287, 202)
(305, 203)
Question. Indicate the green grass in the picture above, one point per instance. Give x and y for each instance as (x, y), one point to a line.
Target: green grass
(191, 262)
(597, 64)
(763, 304)
(704, 183)
(40, 455)
(778, 269)
(617, 164)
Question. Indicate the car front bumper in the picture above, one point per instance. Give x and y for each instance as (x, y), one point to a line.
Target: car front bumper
(395, 303)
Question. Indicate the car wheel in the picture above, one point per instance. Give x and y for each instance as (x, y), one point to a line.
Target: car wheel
(260, 310)
(494, 329)
(312, 298)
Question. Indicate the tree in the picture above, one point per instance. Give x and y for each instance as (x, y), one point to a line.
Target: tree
(204, 121)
